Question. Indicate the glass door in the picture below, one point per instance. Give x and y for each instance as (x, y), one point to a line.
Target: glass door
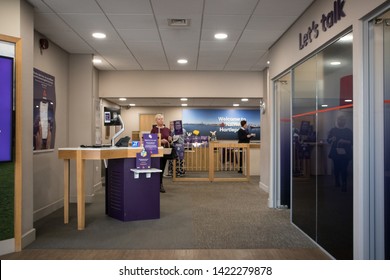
(386, 74)
(322, 147)
(386, 69)
(304, 188)
(380, 135)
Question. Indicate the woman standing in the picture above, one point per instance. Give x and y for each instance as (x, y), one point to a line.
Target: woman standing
(166, 139)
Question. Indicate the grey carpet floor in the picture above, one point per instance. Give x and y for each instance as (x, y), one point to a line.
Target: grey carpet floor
(194, 215)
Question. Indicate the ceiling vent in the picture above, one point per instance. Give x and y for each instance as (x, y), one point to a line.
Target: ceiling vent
(180, 22)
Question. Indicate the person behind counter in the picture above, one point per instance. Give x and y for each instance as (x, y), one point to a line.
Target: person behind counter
(243, 137)
(166, 140)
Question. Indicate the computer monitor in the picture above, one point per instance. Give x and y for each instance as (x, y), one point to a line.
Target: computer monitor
(6, 108)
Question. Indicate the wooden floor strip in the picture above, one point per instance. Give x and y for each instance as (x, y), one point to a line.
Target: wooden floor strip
(201, 254)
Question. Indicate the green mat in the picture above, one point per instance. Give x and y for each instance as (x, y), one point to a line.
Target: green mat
(7, 200)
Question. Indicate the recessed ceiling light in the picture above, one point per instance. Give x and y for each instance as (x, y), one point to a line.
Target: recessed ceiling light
(220, 36)
(99, 35)
(184, 105)
(97, 60)
(132, 104)
(122, 99)
(324, 105)
(268, 62)
(348, 100)
(183, 99)
(335, 63)
(236, 105)
(244, 99)
(182, 61)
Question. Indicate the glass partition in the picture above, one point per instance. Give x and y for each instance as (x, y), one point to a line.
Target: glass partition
(334, 149)
(304, 192)
(386, 141)
(379, 133)
(322, 185)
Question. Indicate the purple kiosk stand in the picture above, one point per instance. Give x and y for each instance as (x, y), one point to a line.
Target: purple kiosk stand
(132, 194)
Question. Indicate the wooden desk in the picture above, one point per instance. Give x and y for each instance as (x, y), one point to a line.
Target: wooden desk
(81, 155)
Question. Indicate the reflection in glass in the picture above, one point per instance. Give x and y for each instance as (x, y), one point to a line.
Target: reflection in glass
(303, 130)
(340, 139)
(322, 190)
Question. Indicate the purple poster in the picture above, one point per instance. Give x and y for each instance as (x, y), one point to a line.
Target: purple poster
(178, 127)
(143, 160)
(44, 111)
(151, 143)
(6, 92)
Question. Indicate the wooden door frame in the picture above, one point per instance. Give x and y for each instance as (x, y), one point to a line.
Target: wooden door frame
(18, 182)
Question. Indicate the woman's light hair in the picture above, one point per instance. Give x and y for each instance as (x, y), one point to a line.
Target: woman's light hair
(159, 116)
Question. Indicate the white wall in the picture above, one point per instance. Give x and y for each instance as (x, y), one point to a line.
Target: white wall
(96, 130)
(10, 23)
(180, 84)
(27, 33)
(286, 52)
(48, 169)
(265, 151)
(81, 114)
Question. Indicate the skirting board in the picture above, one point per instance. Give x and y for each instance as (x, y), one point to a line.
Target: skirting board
(28, 238)
(48, 209)
(264, 187)
(7, 246)
(88, 198)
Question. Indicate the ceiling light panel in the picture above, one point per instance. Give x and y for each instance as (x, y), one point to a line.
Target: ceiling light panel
(208, 36)
(74, 6)
(220, 36)
(225, 22)
(135, 22)
(139, 36)
(177, 8)
(99, 35)
(69, 24)
(85, 24)
(182, 61)
(290, 8)
(217, 7)
(126, 7)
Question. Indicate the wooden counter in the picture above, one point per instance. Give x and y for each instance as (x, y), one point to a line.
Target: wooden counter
(80, 155)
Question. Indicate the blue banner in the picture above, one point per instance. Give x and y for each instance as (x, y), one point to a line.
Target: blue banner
(224, 123)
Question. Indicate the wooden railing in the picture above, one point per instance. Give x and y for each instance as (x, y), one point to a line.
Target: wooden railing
(218, 161)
